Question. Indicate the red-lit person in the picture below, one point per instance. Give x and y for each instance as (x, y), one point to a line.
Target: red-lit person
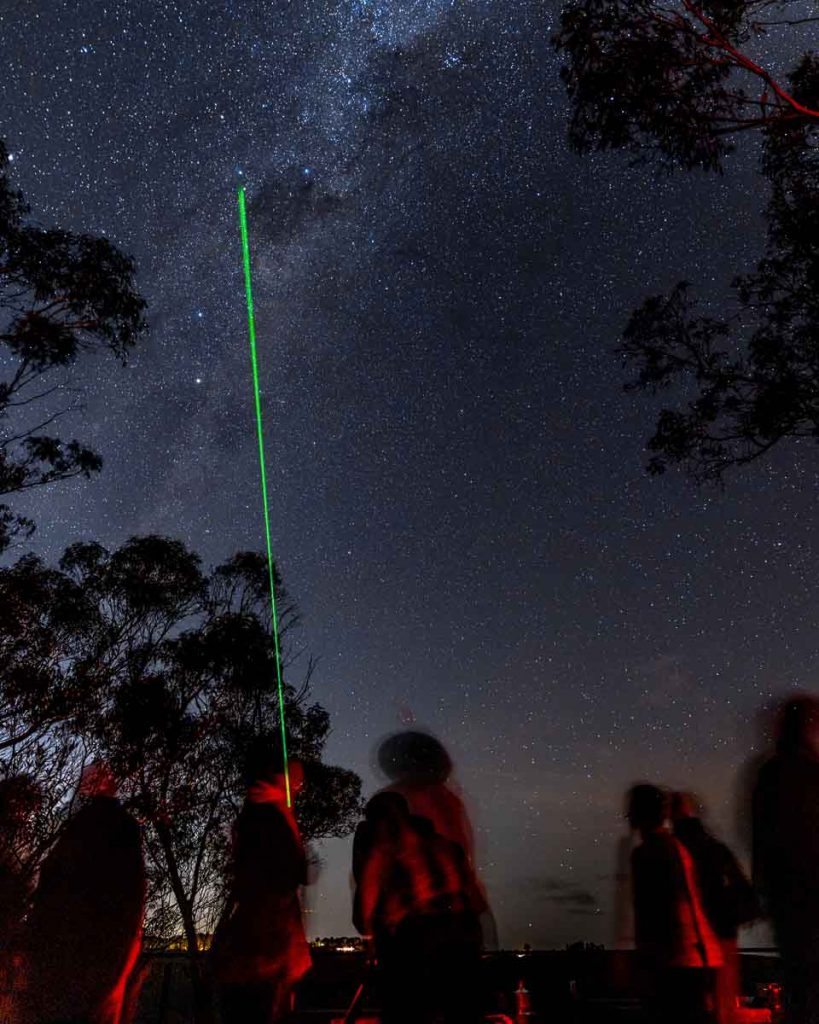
(728, 897)
(260, 952)
(19, 799)
(418, 899)
(677, 947)
(786, 852)
(418, 767)
(83, 933)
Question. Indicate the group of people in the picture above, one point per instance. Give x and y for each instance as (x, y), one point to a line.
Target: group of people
(690, 896)
(416, 894)
(70, 944)
(71, 927)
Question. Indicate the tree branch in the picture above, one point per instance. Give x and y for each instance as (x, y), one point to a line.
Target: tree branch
(718, 40)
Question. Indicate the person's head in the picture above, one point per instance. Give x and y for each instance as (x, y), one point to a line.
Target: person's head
(684, 805)
(646, 807)
(97, 779)
(414, 757)
(264, 762)
(798, 726)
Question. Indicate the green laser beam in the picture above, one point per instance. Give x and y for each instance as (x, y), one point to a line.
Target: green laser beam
(251, 327)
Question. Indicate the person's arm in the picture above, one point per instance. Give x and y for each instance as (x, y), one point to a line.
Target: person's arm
(361, 849)
(369, 891)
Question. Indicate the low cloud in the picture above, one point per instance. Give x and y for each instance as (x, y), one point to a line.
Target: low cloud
(574, 898)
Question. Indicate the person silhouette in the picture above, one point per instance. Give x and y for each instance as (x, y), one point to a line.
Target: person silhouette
(677, 947)
(418, 767)
(728, 897)
(83, 932)
(19, 798)
(259, 951)
(417, 897)
(785, 815)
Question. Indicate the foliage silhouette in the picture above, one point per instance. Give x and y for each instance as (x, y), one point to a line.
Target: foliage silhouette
(668, 82)
(167, 672)
(61, 295)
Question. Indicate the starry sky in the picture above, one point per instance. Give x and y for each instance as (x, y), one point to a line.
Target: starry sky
(457, 489)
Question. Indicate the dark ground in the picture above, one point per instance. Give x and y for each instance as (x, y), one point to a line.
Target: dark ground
(566, 987)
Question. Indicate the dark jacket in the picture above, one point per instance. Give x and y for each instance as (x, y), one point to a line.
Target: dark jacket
(786, 844)
(727, 896)
(262, 936)
(83, 931)
(670, 925)
(15, 890)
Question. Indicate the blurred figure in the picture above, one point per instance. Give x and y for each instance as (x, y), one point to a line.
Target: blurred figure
(420, 769)
(418, 898)
(728, 897)
(676, 944)
(19, 798)
(786, 852)
(621, 961)
(763, 737)
(260, 952)
(83, 934)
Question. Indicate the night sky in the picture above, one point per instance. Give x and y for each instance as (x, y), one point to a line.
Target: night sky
(458, 496)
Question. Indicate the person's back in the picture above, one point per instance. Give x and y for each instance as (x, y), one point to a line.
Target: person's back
(727, 896)
(264, 930)
(418, 897)
(669, 921)
(259, 951)
(269, 857)
(786, 832)
(439, 804)
(83, 933)
(19, 799)
(676, 945)
(786, 852)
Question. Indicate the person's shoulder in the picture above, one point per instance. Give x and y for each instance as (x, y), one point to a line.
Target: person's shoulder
(364, 835)
(655, 846)
(254, 816)
(257, 813)
(119, 822)
(769, 769)
(99, 812)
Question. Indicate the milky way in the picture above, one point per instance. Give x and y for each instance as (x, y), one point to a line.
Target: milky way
(457, 491)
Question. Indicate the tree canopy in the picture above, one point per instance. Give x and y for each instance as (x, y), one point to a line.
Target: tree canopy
(672, 82)
(167, 671)
(61, 295)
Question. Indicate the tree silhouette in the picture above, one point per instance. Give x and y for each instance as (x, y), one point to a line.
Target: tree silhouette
(61, 294)
(670, 80)
(168, 672)
(665, 82)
